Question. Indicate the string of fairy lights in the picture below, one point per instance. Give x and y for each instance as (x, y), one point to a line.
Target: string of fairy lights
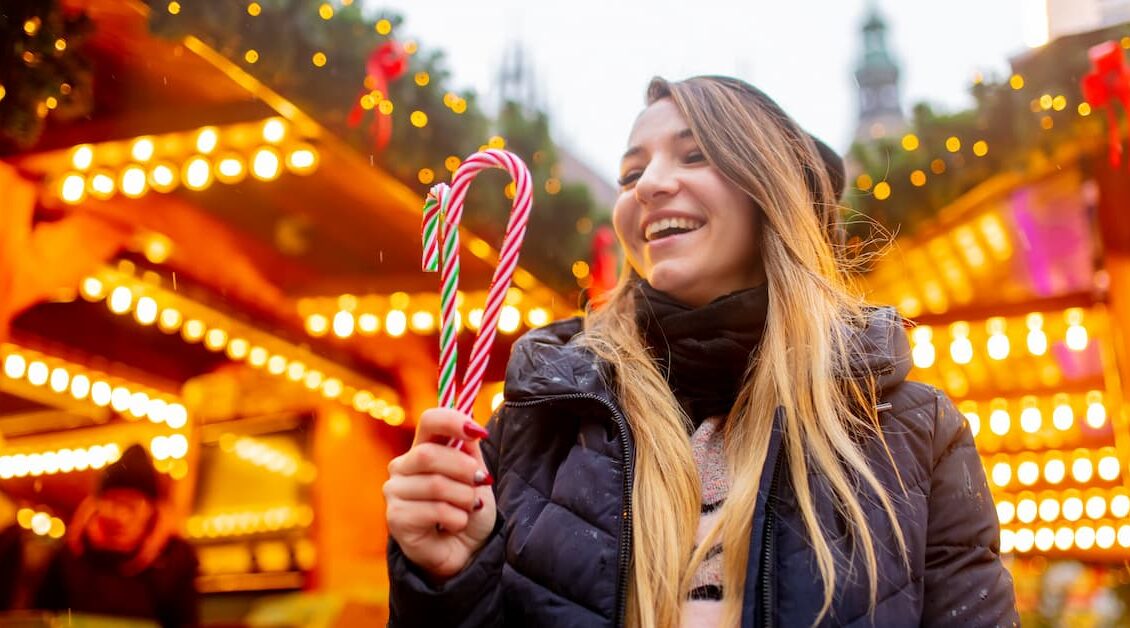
(1047, 106)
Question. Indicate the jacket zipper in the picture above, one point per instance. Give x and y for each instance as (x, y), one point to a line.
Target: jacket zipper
(626, 518)
(767, 547)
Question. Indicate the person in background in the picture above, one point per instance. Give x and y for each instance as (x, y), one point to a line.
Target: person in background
(121, 557)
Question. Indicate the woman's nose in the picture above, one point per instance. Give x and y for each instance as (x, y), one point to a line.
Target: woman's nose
(656, 181)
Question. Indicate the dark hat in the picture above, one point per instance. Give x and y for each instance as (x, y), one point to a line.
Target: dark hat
(134, 470)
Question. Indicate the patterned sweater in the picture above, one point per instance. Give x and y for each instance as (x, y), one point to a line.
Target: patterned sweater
(704, 606)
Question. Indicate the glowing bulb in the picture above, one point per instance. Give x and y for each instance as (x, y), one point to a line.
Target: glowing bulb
(142, 149)
(257, 357)
(1049, 509)
(923, 355)
(316, 324)
(1082, 469)
(537, 317)
(274, 131)
(1037, 342)
(368, 323)
(215, 339)
(1045, 538)
(206, 140)
(155, 410)
(1024, 540)
(343, 324)
(60, 379)
(15, 366)
(313, 379)
(120, 300)
(396, 322)
(302, 160)
(331, 388)
(475, 318)
(1064, 538)
(41, 523)
(422, 322)
(193, 330)
(102, 185)
(1030, 420)
(1105, 537)
(238, 348)
(37, 373)
(230, 169)
(509, 319)
(1109, 468)
(276, 365)
(80, 386)
(974, 421)
(176, 416)
(1008, 540)
(169, 320)
(1085, 537)
(999, 422)
(100, 393)
(1054, 471)
(1120, 506)
(1063, 417)
(146, 312)
(73, 188)
(197, 173)
(120, 398)
(163, 178)
(1028, 472)
(1005, 512)
(961, 350)
(265, 164)
(295, 370)
(1001, 474)
(1026, 510)
(82, 157)
(1096, 415)
(1095, 507)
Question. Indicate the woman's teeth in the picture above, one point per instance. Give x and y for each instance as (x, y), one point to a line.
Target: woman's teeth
(670, 226)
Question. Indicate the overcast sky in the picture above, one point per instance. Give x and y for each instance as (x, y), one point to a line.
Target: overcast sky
(593, 58)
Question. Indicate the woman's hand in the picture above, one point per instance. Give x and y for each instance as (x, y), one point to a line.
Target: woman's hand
(440, 506)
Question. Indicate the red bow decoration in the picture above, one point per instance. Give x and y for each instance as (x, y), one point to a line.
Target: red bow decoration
(604, 262)
(1108, 83)
(384, 65)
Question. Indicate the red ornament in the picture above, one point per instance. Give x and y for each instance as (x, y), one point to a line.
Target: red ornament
(604, 262)
(1108, 83)
(384, 65)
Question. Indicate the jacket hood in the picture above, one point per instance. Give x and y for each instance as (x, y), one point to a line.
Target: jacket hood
(552, 361)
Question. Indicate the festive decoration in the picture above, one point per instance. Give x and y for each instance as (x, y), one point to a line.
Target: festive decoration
(604, 262)
(386, 64)
(1107, 84)
(450, 201)
(42, 69)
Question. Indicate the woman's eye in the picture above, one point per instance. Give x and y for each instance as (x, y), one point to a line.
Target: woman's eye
(694, 157)
(628, 179)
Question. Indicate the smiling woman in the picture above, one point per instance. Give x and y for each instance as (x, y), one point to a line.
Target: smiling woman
(727, 439)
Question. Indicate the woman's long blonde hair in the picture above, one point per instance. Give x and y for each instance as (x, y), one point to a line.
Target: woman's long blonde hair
(802, 367)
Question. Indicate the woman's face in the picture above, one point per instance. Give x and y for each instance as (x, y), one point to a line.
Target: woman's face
(683, 226)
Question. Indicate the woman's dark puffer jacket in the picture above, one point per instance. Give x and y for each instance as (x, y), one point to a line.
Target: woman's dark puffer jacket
(562, 455)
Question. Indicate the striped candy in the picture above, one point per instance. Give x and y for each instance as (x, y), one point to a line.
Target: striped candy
(445, 209)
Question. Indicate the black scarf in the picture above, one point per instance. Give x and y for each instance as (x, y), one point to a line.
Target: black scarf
(704, 352)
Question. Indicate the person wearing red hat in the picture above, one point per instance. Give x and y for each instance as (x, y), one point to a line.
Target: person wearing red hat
(121, 558)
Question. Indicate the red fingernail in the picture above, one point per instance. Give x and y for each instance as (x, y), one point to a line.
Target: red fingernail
(474, 430)
(482, 478)
(478, 504)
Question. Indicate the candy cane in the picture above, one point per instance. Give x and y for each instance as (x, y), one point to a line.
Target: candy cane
(445, 220)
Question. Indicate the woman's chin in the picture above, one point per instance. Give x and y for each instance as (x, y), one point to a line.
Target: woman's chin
(678, 285)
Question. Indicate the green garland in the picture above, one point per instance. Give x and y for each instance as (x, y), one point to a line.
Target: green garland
(42, 70)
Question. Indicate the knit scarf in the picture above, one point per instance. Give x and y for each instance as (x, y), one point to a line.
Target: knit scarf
(703, 352)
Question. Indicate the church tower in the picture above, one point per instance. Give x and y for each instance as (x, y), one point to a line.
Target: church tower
(880, 109)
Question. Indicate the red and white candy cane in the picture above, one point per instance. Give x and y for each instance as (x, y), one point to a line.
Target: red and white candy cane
(442, 213)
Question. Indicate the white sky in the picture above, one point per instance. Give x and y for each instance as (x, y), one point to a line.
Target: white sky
(593, 58)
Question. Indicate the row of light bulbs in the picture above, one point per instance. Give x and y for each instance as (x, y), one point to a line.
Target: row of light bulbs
(249, 522)
(999, 345)
(41, 523)
(122, 299)
(1071, 505)
(1028, 409)
(64, 460)
(163, 449)
(150, 169)
(1064, 538)
(267, 457)
(1029, 469)
(128, 399)
(400, 313)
